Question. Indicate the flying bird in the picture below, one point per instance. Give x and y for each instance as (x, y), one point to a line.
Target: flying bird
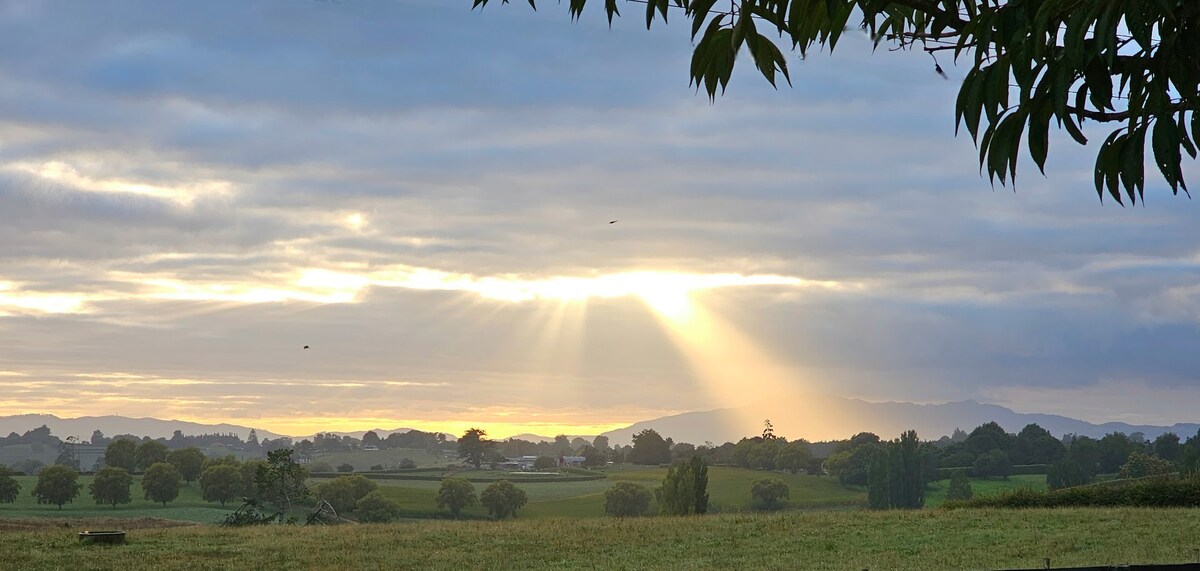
(612, 221)
(306, 346)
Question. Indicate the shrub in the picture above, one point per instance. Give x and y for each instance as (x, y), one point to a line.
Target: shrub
(1141, 465)
(376, 508)
(960, 488)
(502, 499)
(345, 468)
(1160, 491)
(545, 463)
(317, 467)
(992, 464)
(1066, 474)
(343, 492)
(626, 499)
(407, 464)
(769, 493)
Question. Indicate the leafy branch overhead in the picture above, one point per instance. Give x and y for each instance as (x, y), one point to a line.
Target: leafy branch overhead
(1131, 64)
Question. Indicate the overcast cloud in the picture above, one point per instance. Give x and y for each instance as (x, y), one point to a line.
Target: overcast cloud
(191, 192)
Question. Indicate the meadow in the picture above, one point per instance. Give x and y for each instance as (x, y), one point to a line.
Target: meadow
(729, 492)
(929, 539)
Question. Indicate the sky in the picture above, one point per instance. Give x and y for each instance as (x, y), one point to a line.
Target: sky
(191, 192)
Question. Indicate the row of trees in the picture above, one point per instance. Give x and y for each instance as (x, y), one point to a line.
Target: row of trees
(59, 485)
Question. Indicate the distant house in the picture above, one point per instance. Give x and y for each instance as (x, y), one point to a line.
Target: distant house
(570, 461)
(523, 463)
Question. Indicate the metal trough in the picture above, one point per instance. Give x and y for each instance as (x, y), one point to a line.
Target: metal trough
(111, 537)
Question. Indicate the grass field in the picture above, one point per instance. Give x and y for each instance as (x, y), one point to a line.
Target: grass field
(935, 495)
(187, 507)
(931, 539)
(362, 460)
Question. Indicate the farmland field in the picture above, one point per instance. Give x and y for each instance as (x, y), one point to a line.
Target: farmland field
(930, 539)
(187, 507)
(363, 460)
(935, 494)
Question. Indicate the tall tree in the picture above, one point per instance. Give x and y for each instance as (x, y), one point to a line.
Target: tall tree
(371, 439)
(111, 486)
(473, 446)
(685, 489)
(1033, 64)
(649, 448)
(960, 488)
(1166, 446)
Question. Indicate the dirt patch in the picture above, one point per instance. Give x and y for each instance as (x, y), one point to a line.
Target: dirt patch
(90, 523)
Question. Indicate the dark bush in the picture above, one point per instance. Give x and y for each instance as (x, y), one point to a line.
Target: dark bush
(1157, 492)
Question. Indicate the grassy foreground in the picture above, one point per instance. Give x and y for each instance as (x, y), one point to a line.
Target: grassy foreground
(936, 539)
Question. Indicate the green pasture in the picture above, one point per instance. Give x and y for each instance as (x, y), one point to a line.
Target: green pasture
(895, 540)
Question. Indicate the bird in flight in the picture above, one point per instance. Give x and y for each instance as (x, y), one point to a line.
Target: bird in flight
(306, 346)
(612, 221)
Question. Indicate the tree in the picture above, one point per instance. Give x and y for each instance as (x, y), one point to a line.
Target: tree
(994, 464)
(121, 453)
(649, 448)
(1115, 449)
(1085, 452)
(600, 442)
(279, 483)
(685, 489)
(56, 485)
(1038, 446)
(593, 456)
(1128, 64)
(1166, 446)
(319, 467)
(544, 463)
(9, 487)
(879, 491)
(221, 483)
(150, 452)
(371, 439)
(342, 492)
(1140, 465)
(502, 499)
(111, 486)
(456, 494)
(960, 488)
(907, 481)
(160, 483)
(988, 437)
(345, 468)
(473, 446)
(376, 508)
(793, 456)
(769, 493)
(189, 461)
(627, 499)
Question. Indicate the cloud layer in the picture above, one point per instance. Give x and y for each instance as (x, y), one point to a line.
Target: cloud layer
(189, 193)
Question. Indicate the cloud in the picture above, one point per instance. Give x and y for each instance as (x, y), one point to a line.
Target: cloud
(192, 191)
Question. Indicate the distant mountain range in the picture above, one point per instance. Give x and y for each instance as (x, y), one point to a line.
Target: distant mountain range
(114, 425)
(827, 418)
(813, 418)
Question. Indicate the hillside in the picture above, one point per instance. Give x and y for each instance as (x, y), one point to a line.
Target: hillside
(829, 418)
(112, 425)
